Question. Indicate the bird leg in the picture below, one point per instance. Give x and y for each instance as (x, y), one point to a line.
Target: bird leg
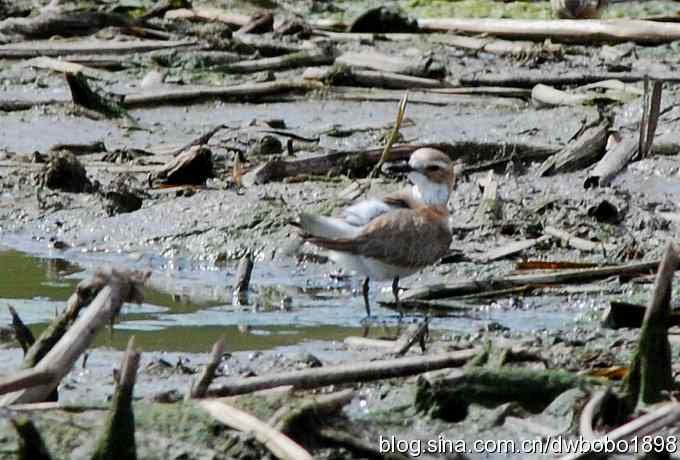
(365, 292)
(395, 293)
(395, 290)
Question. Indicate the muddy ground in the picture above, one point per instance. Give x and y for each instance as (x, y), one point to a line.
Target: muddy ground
(192, 237)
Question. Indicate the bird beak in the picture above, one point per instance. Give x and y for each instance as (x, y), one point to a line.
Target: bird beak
(397, 168)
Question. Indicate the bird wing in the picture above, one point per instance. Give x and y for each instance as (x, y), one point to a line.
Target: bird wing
(404, 237)
(364, 212)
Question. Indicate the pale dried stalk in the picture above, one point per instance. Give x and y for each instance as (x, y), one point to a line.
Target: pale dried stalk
(199, 389)
(393, 136)
(278, 444)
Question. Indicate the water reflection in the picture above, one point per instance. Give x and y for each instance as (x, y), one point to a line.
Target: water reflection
(281, 313)
(38, 288)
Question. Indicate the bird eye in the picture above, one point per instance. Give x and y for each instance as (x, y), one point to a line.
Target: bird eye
(431, 168)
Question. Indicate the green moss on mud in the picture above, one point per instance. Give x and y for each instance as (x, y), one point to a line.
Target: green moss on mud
(494, 9)
(162, 431)
(479, 9)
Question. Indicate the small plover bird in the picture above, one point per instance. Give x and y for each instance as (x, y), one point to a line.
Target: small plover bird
(578, 9)
(396, 236)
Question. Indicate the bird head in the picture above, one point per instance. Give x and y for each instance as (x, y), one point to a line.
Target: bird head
(432, 176)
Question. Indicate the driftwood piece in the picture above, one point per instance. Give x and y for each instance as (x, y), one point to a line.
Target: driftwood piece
(613, 161)
(648, 424)
(411, 336)
(22, 333)
(519, 93)
(23, 379)
(65, 24)
(346, 373)
(340, 75)
(57, 406)
(572, 31)
(575, 242)
(425, 66)
(261, 23)
(340, 36)
(85, 292)
(14, 105)
(601, 92)
(206, 14)
(360, 162)
(463, 288)
(192, 167)
(117, 441)
(448, 397)
(434, 309)
(246, 91)
(64, 66)
(629, 146)
(506, 250)
(120, 287)
(546, 96)
(297, 27)
(365, 342)
(304, 58)
(31, 444)
(245, 269)
(500, 47)
(431, 96)
(280, 445)
(194, 59)
(584, 151)
(298, 417)
(650, 378)
(161, 7)
(293, 90)
(204, 380)
(519, 79)
(268, 46)
(630, 315)
(32, 49)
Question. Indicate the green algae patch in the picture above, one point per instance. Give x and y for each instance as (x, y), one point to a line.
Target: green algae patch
(262, 405)
(347, 10)
(162, 431)
(479, 9)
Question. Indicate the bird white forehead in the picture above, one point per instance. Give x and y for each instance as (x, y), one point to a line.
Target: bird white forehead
(427, 157)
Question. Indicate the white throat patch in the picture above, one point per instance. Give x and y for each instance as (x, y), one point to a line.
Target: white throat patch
(427, 191)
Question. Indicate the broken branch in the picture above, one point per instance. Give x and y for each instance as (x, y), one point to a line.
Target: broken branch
(278, 444)
(346, 373)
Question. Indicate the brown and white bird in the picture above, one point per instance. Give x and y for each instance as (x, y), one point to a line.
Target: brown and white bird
(396, 236)
(578, 9)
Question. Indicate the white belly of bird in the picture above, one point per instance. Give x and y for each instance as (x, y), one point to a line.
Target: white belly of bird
(372, 268)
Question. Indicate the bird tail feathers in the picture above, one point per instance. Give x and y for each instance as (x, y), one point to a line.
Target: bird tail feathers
(326, 228)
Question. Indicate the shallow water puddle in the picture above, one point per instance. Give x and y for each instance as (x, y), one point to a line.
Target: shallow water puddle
(38, 287)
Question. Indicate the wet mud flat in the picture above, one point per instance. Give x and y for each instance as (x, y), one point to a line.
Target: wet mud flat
(518, 301)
